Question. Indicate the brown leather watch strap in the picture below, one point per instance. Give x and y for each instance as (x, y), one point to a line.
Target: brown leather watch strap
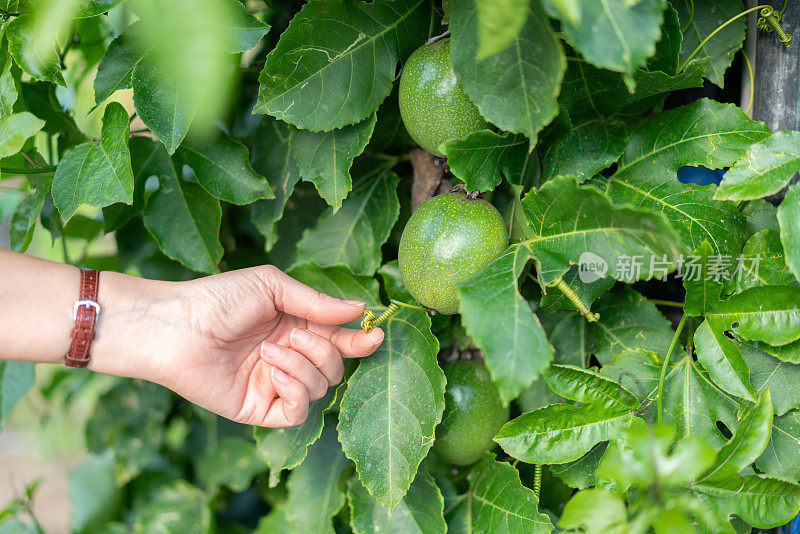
(85, 311)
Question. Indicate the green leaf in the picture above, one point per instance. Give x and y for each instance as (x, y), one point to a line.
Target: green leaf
(747, 443)
(782, 379)
(420, 512)
(765, 313)
(353, 236)
(160, 99)
(581, 473)
(594, 509)
(92, 8)
(221, 166)
(15, 129)
(500, 504)
(398, 393)
(693, 402)
(232, 462)
(8, 86)
(314, 494)
(611, 43)
(584, 150)
(23, 222)
(274, 522)
(97, 174)
(761, 215)
(570, 335)
(781, 457)
(93, 493)
(568, 220)
(26, 47)
(122, 56)
(645, 456)
(668, 48)
(762, 502)
(588, 93)
(561, 433)
(702, 291)
(286, 448)
(789, 221)
(242, 30)
(567, 9)
(723, 360)
(131, 425)
(761, 263)
(348, 51)
(499, 23)
(703, 133)
(175, 508)
(700, 20)
(148, 158)
(16, 379)
(325, 158)
(514, 345)
(338, 281)
(184, 220)
(272, 157)
(484, 157)
(509, 89)
(766, 168)
(628, 321)
(41, 100)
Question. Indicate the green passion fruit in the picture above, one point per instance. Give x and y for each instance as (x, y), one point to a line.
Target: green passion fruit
(448, 239)
(473, 415)
(433, 104)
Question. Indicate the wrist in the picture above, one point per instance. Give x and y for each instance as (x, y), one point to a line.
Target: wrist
(134, 331)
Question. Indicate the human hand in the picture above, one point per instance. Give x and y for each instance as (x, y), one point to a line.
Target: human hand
(256, 345)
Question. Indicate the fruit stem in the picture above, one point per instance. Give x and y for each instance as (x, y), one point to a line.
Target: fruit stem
(576, 300)
(667, 358)
(673, 303)
(537, 479)
(437, 38)
(370, 321)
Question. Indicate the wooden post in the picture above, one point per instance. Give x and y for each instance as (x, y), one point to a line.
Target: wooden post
(776, 69)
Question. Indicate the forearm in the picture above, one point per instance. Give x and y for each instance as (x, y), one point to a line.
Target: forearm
(36, 315)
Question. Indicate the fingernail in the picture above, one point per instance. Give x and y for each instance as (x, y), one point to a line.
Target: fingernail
(380, 338)
(301, 338)
(355, 303)
(280, 376)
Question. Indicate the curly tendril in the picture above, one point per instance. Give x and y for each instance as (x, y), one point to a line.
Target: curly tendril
(370, 321)
(576, 300)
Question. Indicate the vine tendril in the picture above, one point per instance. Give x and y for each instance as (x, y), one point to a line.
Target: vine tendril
(370, 321)
(771, 21)
(576, 300)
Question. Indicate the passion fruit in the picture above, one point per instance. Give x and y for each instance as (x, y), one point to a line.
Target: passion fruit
(448, 239)
(433, 104)
(473, 414)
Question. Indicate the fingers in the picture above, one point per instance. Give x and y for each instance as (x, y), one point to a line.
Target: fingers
(291, 406)
(298, 367)
(320, 352)
(349, 342)
(299, 300)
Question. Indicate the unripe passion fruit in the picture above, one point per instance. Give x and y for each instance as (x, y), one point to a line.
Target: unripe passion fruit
(433, 104)
(448, 239)
(474, 414)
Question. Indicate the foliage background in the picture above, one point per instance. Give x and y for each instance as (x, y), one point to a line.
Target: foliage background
(213, 135)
